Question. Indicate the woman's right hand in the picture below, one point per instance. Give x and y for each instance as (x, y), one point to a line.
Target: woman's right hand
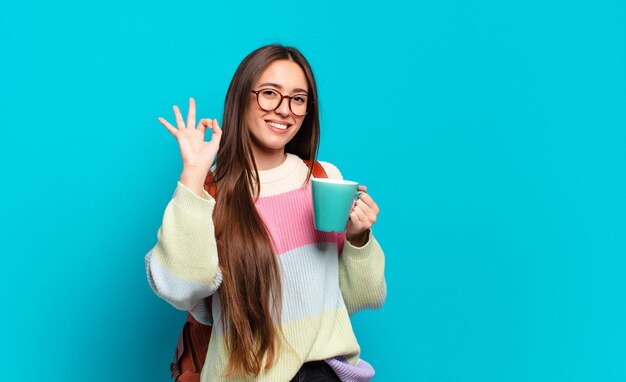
(197, 154)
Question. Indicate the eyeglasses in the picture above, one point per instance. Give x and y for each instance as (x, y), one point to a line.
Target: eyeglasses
(270, 100)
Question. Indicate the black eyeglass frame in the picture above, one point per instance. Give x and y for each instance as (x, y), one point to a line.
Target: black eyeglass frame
(282, 97)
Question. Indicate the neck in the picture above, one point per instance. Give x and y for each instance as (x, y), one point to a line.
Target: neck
(267, 160)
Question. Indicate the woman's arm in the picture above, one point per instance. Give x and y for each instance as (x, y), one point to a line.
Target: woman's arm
(361, 263)
(362, 275)
(182, 268)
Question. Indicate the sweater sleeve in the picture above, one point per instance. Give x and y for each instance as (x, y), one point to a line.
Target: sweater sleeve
(361, 269)
(182, 268)
(362, 275)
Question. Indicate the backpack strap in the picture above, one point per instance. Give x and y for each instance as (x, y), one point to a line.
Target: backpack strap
(318, 170)
(209, 185)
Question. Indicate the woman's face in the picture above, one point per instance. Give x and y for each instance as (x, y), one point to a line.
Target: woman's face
(267, 128)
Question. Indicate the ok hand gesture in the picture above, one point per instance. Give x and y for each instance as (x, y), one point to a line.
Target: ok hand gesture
(195, 151)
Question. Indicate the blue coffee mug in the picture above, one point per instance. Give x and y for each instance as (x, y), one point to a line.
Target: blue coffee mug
(332, 202)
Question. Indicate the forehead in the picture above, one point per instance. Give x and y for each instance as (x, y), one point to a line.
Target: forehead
(287, 74)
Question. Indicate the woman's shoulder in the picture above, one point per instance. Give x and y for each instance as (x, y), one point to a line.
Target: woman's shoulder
(331, 170)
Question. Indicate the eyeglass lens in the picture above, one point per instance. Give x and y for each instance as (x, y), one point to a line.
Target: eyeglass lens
(270, 100)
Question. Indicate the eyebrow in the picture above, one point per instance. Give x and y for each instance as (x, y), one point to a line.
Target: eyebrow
(280, 87)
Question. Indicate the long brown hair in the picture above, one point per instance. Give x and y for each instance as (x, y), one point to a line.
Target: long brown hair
(250, 294)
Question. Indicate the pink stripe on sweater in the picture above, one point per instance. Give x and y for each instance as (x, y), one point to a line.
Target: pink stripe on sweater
(289, 218)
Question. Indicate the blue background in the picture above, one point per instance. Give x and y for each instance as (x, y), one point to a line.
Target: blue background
(492, 136)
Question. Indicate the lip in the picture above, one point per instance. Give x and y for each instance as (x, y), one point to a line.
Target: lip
(275, 130)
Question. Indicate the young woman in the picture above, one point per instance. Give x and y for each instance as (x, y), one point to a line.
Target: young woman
(282, 291)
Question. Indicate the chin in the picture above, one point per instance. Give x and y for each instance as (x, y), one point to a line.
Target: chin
(275, 145)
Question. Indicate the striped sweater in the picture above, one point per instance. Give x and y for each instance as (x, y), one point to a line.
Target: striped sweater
(324, 277)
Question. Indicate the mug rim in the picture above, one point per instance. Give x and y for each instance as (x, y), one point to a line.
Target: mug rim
(335, 181)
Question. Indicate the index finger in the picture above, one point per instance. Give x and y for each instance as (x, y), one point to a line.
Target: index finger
(191, 115)
(168, 126)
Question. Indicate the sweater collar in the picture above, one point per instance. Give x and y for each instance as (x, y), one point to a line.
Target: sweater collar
(280, 172)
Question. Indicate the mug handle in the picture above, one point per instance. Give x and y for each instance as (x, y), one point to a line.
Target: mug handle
(356, 197)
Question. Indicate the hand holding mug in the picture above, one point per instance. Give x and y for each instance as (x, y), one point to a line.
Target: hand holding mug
(362, 218)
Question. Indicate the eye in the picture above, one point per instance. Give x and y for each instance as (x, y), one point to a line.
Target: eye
(269, 93)
(300, 100)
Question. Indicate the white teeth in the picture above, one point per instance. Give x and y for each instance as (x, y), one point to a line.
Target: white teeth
(278, 125)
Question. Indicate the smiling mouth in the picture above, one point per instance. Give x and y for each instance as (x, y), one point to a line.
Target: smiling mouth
(279, 126)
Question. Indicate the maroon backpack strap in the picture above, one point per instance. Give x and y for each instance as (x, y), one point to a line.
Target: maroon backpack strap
(318, 170)
(209, 185)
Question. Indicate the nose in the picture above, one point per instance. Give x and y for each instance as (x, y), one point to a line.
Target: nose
(283, 108)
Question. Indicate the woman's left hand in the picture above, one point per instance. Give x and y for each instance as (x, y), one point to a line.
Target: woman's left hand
(362, 218)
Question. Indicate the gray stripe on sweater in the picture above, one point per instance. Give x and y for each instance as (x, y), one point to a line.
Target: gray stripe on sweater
(180, 293)
(310, 283)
